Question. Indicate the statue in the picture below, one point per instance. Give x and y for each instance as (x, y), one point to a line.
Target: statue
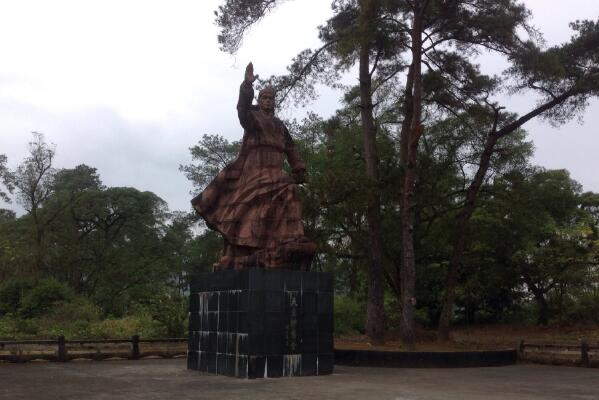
(252, 202)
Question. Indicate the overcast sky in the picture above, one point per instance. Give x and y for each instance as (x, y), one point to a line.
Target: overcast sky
(128, 86)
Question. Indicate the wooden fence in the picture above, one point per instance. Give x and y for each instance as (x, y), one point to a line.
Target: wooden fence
(95, 349)
(582, 353)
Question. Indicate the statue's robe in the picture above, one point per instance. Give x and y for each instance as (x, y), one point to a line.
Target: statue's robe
(252, 202)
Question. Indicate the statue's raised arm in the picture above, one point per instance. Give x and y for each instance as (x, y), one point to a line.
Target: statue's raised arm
(246, 95)
(249, 73)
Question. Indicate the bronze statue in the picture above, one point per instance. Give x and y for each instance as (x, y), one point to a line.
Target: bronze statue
(252, 202)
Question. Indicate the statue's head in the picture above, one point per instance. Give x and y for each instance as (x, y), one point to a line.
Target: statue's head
(266, 99)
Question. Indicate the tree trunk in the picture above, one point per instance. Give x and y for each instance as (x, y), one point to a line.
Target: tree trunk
(539, 292)
(39, 241)
(470, 313)
(461, 223)
(407, 202)
(353, 278)
(543, 313)
(375, 317)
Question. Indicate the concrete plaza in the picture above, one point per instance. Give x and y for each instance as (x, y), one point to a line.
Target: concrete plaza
(169, 379)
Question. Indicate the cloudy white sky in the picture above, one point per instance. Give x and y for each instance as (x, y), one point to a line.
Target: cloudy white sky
(128, 86)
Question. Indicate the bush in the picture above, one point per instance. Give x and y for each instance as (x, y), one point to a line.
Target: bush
(169, 310)
(8, 328)
(350, 315)
(392, 312)
(585, 309)
(44, 296)
(28, 327)
(78, 309)
(12, 293)
(46, 327)
(142, 325)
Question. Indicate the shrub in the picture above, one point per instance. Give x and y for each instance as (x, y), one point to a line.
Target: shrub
(586, 309)
(12, 293)
(350, 315)
(28, 327)
(78, 309)
(142, 325)
(169, 310)
(8, 328)
(44, 296)
(392, 312)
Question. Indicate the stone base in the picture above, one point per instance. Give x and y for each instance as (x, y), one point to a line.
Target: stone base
(256, 323)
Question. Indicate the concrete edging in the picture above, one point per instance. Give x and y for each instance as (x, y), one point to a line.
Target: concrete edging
(426, 359)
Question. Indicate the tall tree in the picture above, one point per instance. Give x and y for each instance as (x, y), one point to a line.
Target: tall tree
(423, 31)
(375, 318)
(564, 77)
(65, 237)
(439, 39)
(442, 34)
(5, 179)
(118, 248)
(352, 36)
(549, 248)
(33, 180)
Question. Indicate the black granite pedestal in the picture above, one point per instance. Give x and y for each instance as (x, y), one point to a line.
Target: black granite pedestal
(256, 323)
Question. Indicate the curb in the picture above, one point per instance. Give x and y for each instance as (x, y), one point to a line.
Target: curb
(426, 359)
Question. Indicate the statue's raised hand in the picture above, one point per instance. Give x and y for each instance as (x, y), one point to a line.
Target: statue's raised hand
(249, 73)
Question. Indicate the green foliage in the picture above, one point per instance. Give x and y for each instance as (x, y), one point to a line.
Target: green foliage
(350, 315)
(98, 253)
(464, 125)
(80, 318)
(568, 69)
(532, 233)
(43, 297)
(236, 16)
(113, 261)
(125, 327)
(211, 155)
(111, 241)
(12, 292)
(7, 215)
(12, 328)
(169, 310)
(5, 180)
(203, 251)
(16, 256)
(78, 309)
(33, 178)
(585, 309)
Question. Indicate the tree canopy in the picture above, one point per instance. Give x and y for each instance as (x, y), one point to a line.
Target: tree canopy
(421, 193)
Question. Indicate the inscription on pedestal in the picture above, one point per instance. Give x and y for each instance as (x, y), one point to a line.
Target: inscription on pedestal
(261, 323)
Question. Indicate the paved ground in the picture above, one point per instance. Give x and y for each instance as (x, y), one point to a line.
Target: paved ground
(168, 379)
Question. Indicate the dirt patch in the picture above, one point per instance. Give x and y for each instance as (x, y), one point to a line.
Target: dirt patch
(480, 337)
